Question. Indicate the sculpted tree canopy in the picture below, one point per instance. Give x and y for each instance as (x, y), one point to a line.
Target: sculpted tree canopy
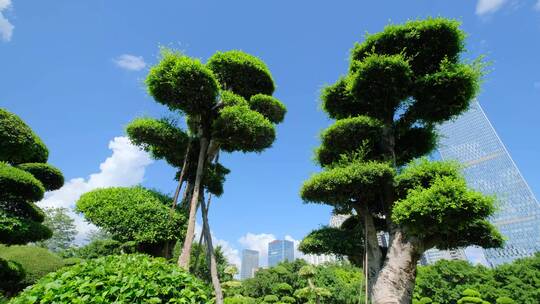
(135, 215)
(24, 178)
(401, 83)
(228, 106)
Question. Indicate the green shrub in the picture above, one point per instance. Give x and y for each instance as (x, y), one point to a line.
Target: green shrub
(11, 274)
(35, 261)
(132, 278)
(505, 300)
(271, 299)
(238, 299)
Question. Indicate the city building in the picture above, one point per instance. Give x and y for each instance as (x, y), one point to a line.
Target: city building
(250, 263)
(337, 219)
(279, 251)
(472, 140)
(318, 259)
(433, 255)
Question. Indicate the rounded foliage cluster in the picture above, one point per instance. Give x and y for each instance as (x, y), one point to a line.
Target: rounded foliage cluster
(49, 176)
(18, 143)
(132, 214)
(19, 186)
(182, 83)
(269, 107)
(242, 73)
(118, 279)
(11, 274)
(238, 128)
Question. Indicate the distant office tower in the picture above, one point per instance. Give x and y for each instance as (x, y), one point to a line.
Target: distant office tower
(250, 263)
(471, 140)
(433, 255)
(279, 251)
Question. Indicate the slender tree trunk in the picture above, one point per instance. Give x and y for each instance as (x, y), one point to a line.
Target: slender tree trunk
(181, 178)
(183, 260)
(196, 265)
(186, 197)
(395, 281)
(210, 253)
(374, 254)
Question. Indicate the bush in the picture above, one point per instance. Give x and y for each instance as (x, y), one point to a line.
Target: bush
(271, 299)
(36, 261)
(134, 278)
(238, 299)
(11, 274)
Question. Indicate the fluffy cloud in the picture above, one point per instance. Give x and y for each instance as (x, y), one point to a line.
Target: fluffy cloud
(6, 28)
(130, 62)
(125, 167)
(484, 7)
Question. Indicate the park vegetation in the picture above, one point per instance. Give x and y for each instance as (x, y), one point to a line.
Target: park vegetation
(401, 83)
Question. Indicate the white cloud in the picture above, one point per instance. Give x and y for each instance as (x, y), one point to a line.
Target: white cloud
(6, 28)
(488, 6)
(125, 167)
(130, 62)
(258, 242)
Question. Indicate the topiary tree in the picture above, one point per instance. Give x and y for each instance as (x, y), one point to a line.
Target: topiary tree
(401, 83)
(505, 300)
(271, 299)
(471, 296)
(311, 292)
(133, 278)
(24, 177)
(134, 215)
(228, 107)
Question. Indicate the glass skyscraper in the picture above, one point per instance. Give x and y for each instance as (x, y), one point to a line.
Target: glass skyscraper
(279, 251)
(488, 168)
(250, 263)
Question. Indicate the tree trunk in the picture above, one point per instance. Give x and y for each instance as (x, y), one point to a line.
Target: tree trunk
(211, 255)
(395, 282)
(183, 260)
(181, 178)
(374, 253)
(186, 197)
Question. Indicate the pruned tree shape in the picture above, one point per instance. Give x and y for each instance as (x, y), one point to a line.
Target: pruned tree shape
(24, 178)
(401, 83)
(228, 106)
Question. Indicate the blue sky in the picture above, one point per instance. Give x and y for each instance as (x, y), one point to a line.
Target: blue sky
(74, 71)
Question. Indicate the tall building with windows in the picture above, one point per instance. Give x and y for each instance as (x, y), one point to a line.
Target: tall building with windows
(472, 140)
(250, 263)
(279, 251)
(433, 255)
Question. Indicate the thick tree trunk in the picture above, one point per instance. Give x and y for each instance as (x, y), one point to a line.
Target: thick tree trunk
(183, 260)
(210, 253)
(395, 282)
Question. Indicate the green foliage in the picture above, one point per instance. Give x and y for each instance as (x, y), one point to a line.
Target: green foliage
(11, 274)
(35, 261)
(50, 177)
(342, 281)
(423, 300)
(471, 296)
(269, 107)
(132, 214)
(358, 181)
(350, 135)
(120, 279)
(426, 43)
(99, 248)
(240, 129)
(270, 299)
(230, 99)
(62, 227)
(380, 83)
(162, 138)
(239, 299)
(505, 300)
(244, 74)
(445, 281)
(18, 143)
(182, 83)
(18, 229)
(19, 186)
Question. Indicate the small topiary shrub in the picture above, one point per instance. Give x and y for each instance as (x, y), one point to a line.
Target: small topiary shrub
(271, 299)
(36, 261)
(11, 274)
(238, 299)
(505, 300)
(133, 278)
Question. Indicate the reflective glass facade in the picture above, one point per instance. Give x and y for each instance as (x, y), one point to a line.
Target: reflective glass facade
(250, 263)
(279, 251)
(472, 140)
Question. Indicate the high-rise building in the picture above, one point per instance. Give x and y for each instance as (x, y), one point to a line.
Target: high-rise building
(318, 259)
(279, 251)
(337, 219)
(472, 140)
(433, 255)
(250, 263)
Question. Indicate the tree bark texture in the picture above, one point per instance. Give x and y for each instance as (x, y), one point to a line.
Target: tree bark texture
(395, 282)
(374, 254)
(211, 256)
(183, 260)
